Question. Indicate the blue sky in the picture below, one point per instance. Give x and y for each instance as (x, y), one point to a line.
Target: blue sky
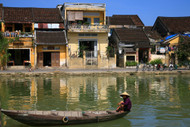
(147, 10)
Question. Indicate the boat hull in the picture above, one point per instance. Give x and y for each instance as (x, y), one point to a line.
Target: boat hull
(52, 118)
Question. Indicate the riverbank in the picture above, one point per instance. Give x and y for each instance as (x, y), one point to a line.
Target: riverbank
(116, 71)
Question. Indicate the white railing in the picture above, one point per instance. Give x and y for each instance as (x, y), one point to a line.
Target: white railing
(17, 34)
(91, 54)
(99, 5)
(88, 27)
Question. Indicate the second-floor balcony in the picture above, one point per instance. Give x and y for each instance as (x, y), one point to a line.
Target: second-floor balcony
(18, 34)
(88, 28)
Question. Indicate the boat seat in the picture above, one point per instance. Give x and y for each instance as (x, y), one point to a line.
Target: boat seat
(111, 112)
(70, 113)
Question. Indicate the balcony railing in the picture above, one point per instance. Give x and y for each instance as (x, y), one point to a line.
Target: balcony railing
(88, 28)
(17, 34)
(85, 5)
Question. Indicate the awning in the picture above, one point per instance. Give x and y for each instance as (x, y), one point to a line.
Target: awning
(129, 50)
(50, 38)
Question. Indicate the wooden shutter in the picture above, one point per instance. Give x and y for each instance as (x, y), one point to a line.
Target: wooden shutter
(55, 59)
(40, 59)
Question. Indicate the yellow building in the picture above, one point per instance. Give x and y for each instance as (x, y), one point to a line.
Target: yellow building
(51, 48)
(23, 26)
(86, 31)
(171, 44)
(18, 27)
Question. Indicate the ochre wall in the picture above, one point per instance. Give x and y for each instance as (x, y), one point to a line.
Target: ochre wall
(101, 17)
(174, 42)
(62, 52)
(102, 41)
(24, 43)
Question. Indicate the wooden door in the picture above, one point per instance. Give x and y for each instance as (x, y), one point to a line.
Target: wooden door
(40, 59)
(55, 59)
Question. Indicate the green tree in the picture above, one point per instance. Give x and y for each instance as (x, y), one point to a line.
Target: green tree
(109, 51)
(4, 55)
(183, 49)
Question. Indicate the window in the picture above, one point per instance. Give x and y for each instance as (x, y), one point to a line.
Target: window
(27, 29)
(130, 58)
(96, 21)
(91, 14)
(10, 29)
(93, 35)
(87, 21)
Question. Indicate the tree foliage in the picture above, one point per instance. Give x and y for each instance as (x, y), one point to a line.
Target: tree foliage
(4, 55)
(183, 49)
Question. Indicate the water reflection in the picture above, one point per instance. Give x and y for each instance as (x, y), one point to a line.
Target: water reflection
(155, 99)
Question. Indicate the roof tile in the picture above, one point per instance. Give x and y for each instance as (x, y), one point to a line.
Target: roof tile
(152, 33)
(50, 37)
(19, 15)
(125, 20)
(131, 35)
(50, 15)
(176, 24)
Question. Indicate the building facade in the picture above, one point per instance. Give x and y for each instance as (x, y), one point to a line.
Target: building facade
(129, 39)
(87, 34)
(36, 36)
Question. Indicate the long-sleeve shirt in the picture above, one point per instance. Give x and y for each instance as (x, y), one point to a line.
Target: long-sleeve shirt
(127, 104)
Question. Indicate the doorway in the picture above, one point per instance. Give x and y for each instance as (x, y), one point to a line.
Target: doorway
(143, 55)
(47, 59)
(90, 47)
(18, 56)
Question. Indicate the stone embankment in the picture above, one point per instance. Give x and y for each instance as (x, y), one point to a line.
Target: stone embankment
(84, 72)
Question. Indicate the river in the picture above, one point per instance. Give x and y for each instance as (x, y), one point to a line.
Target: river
(158, 100)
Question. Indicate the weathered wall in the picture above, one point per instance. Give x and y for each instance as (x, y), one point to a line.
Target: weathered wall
(24, 43)
(75, 63)
(174, 41)
(112, 62)
(73, 38)
(121, 62)
(62, 51)
(162, 57)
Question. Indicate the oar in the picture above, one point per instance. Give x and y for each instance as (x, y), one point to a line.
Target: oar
(0, 114)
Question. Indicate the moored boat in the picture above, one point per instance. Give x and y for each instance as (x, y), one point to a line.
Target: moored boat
(52, 118)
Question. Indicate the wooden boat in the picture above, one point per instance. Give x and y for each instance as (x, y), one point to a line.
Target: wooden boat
(52, 118)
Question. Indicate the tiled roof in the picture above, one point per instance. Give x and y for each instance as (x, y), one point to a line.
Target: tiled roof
(38, 15)
(120, 21)
(151, 33)
(1, 11)
(176, 24)
(17, 15)
(125, 20)
(50, 15)
(50, 38)
(131, 35)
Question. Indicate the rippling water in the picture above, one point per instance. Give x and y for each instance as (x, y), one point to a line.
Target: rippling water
(161, 101)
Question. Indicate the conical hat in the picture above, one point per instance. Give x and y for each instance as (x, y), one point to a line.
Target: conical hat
(125, 94)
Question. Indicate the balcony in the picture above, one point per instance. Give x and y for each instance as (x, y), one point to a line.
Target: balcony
(18, 34)
(85, 5)
(88, 28)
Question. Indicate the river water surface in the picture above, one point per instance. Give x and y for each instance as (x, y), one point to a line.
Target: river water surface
(158, 101)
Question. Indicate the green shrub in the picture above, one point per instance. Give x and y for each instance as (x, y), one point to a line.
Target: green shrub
(156, 61)
(131, 63)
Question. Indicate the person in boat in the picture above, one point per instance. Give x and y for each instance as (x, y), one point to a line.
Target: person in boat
(126, 104)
